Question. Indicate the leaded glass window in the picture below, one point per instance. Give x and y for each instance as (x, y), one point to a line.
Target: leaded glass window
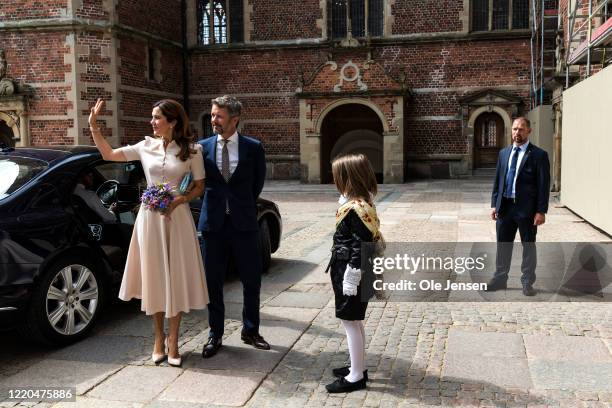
(489, 133)
(500, 14)
(520, 14)
(365, 18)
(220, 21)
(490, 15)
(480, 15)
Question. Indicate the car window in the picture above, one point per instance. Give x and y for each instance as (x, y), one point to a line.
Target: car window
(17, 171)
(124, 173)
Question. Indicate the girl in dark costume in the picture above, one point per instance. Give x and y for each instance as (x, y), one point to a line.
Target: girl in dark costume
(356, 223)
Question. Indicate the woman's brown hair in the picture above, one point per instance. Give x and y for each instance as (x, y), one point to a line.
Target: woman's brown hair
(354, 177)
(181, 132)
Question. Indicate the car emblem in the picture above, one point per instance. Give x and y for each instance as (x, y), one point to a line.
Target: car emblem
(96, 231)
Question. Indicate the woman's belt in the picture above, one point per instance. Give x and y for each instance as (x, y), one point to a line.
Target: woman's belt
(339, 253)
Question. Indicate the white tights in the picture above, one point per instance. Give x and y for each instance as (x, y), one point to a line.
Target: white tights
(355, 337)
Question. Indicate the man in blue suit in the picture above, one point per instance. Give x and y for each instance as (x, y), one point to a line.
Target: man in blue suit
(235, 171)
(519, 201)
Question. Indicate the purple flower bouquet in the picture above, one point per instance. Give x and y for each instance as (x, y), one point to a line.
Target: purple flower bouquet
(157, 197)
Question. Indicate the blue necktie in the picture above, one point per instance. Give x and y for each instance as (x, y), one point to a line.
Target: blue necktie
(511, 172)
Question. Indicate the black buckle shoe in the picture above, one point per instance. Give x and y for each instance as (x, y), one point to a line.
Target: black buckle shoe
(344, 371)
(494, 285)
(255, 340)
(211, 347)
(528, 290)
(342, 385)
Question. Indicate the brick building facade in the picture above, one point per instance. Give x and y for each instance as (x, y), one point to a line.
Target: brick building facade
(424, 88)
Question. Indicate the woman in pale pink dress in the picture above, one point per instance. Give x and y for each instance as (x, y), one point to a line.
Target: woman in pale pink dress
(164, 265)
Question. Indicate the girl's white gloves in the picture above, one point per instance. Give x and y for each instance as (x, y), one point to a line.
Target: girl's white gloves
(351, 280)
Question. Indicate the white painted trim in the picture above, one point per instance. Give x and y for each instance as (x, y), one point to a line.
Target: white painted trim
(140, 90)
(246, 95)
(431, 118)
(50, 117)
(468, 89)
(288, 120)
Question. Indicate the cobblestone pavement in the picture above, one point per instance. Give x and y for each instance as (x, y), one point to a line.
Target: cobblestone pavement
(494, 354)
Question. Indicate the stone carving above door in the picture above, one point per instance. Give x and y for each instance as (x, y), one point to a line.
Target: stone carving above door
(349, 75)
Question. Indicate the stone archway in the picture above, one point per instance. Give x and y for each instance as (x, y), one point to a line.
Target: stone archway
(362, 141)
(9, 131)
(487, 101)
(6, 135)
(351, 128)
(315, 149)
(501, 112)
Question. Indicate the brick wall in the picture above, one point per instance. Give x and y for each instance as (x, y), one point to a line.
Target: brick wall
(158, 17)
(93, 9)
(50, 132)
(426, 16)
(14, 10)
(285, 20)
(35, 57)
(437, 73)
(137, 91)
(36, 62)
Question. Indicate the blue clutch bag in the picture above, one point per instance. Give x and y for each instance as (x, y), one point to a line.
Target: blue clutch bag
(184, 183)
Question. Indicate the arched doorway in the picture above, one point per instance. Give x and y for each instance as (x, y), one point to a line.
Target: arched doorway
(351, 128)
(488, 139)
(6, 135)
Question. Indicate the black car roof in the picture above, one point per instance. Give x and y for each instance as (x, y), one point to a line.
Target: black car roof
(50, 154)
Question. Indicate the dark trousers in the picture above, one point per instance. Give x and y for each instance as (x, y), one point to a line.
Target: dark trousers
(244, 249)
(507, 224)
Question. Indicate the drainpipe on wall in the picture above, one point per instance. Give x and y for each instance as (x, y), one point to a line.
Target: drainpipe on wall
(185, 57)
(557, 148)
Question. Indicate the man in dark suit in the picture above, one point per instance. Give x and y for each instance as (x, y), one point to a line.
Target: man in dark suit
(235, 171)
(519, 201)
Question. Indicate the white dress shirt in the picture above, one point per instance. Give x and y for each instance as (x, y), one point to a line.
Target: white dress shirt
(232, 149)
(521, 154)
(94, 203)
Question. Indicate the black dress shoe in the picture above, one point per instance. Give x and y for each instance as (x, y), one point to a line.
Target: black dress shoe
(494, 285)
(255, 340)
(342, 385)
(211, 347)
(528, 290)
(344, 371)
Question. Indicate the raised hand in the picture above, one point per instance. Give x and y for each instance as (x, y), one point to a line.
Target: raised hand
(95, 111)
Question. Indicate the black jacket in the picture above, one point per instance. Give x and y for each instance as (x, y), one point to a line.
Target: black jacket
(349, 235)
(347, 249)
(240, 192)
(532, 181)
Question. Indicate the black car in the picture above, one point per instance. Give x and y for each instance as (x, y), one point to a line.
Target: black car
(59, 261)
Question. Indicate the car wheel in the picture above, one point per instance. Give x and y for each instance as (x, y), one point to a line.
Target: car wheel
(66, 302)
(264, 239)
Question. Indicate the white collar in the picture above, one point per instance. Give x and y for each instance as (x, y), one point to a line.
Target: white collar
(233, 138)
(522, 147)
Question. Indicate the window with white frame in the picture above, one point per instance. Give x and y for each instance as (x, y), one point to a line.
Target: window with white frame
(220, 21)
(360, 18)
(492, 15)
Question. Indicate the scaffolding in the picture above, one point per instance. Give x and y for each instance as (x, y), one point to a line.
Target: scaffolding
(589, 33)
(544, 28)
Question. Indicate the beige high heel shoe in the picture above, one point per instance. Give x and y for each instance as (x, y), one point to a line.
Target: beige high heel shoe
(158, 358)
(174, 362)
